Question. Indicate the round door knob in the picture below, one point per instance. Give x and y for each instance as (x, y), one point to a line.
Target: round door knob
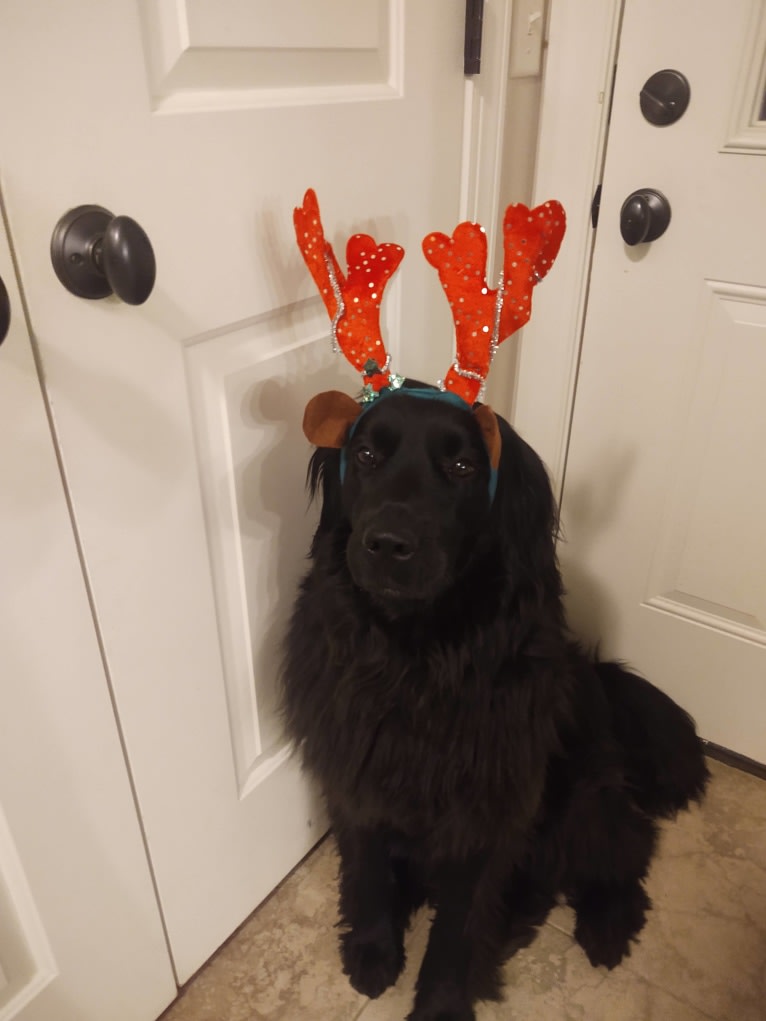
(96, 254)
(644, 216)
(5, 312)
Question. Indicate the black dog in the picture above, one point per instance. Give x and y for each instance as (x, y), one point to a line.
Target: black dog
(471, 754)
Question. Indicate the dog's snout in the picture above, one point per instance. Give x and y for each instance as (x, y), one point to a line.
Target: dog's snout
(392, 545)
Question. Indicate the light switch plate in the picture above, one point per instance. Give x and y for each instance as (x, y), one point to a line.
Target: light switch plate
(527, 30)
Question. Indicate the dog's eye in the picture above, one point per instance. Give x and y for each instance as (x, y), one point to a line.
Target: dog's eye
(365, 457)
(461, 468)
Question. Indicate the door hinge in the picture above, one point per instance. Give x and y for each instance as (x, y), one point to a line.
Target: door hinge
(595, 207)
(474, 17)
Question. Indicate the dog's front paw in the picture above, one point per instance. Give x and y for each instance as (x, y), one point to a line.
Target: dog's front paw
(443, 1003)
(608, 922)
(372, 958)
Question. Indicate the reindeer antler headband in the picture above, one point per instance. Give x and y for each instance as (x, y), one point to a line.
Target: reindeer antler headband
(484, 317)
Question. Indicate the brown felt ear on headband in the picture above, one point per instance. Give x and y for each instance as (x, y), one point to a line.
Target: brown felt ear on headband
(490, 430)
(328, 418)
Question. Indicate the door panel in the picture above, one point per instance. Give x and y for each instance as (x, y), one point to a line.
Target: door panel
(702, 569)
(80, 930)
(663, 498)
(237, 54)
(253, 507)
(179, 420)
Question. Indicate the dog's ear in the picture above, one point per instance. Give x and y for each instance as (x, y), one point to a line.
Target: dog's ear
(490, 430)
(328, 418)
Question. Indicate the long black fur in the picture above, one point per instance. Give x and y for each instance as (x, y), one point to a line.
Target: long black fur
(472, 755)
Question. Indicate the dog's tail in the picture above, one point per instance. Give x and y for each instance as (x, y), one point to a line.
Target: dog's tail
(664, 757)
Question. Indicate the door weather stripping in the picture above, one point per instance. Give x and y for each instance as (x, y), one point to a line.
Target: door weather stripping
(474, 17)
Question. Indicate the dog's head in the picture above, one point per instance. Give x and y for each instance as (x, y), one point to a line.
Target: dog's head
(411, 498)
(416, 494)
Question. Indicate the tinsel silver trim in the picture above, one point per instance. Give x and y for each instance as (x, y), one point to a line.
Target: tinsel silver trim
(494, 342)
(340, 304)
(466, 373)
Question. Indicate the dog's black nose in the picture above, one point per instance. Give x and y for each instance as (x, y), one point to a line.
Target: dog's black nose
(398, 545)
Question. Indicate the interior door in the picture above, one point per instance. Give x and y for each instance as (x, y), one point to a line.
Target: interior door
(80, 932)
(179, 419)
(664, 495)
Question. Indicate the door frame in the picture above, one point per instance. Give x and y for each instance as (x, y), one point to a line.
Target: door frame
(583, 42)
(484, 102)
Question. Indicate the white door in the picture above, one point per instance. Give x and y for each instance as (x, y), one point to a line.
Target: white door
(80, 931)
(179, 419)
(665, 490)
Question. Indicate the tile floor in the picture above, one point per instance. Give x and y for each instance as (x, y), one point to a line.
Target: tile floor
(702, 955)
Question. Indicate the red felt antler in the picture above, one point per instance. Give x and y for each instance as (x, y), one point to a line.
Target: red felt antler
(483, 317)
(352, 300)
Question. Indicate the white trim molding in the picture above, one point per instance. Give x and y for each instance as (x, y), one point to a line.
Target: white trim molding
(483, 120)
(577, 86)
(747, 128)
